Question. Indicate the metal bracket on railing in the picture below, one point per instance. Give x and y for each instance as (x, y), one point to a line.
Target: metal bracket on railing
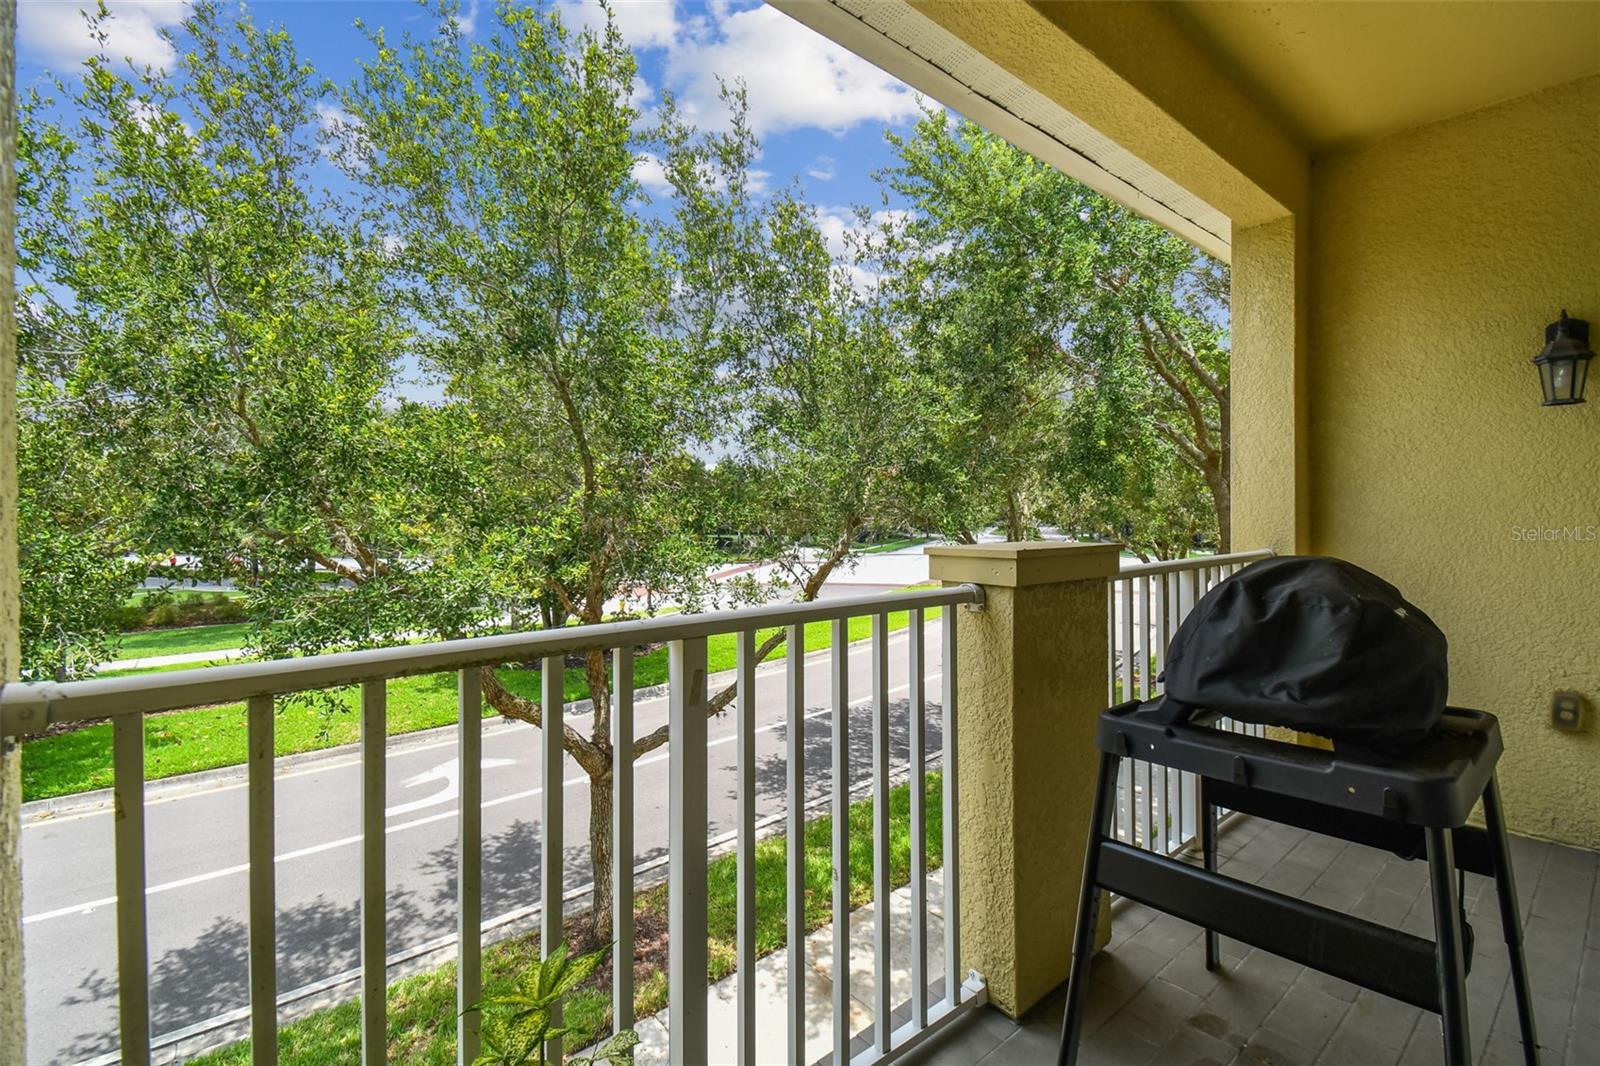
(977, 605)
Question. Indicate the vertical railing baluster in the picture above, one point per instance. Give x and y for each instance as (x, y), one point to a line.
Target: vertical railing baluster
(552, 867)
(1161, 816)
(1147, 656)
(1140, 605)
(1128, 692)
(263, 880)
(1147, 803)
(374, 729)
(1111, 640)
(622, 838)
(796, 729)
(1129, 767)
(469, 863)
(952, 807)
(1172, 615)
(686, 878)
(881, 922)
(917, 698)
(133, 954)
(841, 840)
(745, 949)
(1156, 660)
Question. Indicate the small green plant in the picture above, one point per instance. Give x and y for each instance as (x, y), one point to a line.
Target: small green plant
(517, 1024)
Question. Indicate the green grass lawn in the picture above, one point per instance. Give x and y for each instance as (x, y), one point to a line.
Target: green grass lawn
(139, 597)
(208, 737)
(421, 1009)
(148, 643)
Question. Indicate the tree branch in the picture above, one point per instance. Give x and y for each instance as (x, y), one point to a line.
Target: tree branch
(511, 705)
(808, 592)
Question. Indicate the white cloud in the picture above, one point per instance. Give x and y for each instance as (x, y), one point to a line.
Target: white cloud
(794, 76)
(642, 23)
(649, 172)
(844, 230)
(334, 119)
(342, 139)
(56, 31)
(843, 226)
(467, 21)
(823, 168)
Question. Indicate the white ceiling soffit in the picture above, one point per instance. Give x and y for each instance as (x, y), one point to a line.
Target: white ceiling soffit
(909, 45)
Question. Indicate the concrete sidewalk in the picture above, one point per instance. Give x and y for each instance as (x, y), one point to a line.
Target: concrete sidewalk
(772, 987)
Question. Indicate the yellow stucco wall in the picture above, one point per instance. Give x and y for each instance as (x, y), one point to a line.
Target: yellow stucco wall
(1437, 257)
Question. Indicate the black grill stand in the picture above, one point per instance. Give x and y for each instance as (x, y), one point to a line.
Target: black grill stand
(1415, 806)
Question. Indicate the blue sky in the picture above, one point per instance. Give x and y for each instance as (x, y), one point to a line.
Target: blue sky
(820, 111)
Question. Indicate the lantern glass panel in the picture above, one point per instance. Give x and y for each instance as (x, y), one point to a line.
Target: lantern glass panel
(1546, 382)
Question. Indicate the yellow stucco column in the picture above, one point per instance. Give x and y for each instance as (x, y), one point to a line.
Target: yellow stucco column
(1031, 678)
(1271, 421)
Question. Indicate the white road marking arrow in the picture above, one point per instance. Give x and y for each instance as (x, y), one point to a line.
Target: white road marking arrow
(449, 772)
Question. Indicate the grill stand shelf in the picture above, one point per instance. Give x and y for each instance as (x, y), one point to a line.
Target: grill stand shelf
(1415, 806)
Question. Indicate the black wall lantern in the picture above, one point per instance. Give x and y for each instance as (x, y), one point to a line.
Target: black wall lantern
(1564, 363)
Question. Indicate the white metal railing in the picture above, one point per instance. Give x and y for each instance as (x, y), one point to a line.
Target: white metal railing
(1158, 808)
(31, 708)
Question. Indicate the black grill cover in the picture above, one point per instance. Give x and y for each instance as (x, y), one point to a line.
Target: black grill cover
(1313, 644)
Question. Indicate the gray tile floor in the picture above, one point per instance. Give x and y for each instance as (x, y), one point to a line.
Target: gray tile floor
(1154, 1002)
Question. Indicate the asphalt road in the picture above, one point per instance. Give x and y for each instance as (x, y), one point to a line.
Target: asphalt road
(197, 853)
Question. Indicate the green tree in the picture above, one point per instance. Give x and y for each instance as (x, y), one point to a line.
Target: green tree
(221, 328)
(1159, 323)
(1079, 353)
(1118, 477)
(992, 271)
(830, 404)
(71, 509)
(71, 525)
(581, 328)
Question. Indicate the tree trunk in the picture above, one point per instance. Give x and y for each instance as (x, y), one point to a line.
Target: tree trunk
(593, 759)
(594, 668)
(1222, 500)
(1016, 528)
(600, 852)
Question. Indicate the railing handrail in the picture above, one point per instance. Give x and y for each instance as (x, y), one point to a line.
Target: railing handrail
(29, 707)
(1194, 562)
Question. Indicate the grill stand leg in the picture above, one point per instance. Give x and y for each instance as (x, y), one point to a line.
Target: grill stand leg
(1448, 948)
(1505, 885)
(1089, 902)
(1208, 847)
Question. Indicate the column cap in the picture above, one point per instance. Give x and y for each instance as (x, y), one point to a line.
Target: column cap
(1015, 564)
